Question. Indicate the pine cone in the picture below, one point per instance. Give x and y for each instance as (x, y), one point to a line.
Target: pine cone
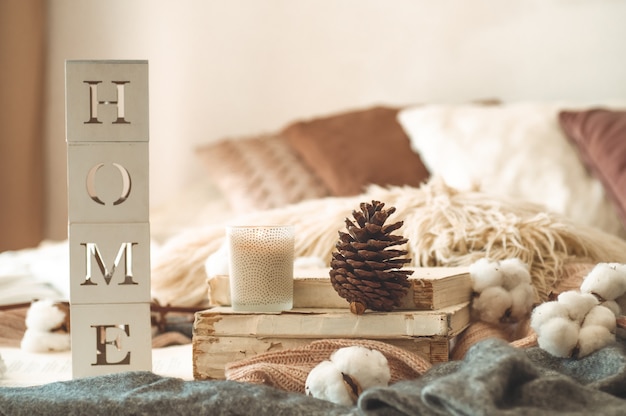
(364, 269)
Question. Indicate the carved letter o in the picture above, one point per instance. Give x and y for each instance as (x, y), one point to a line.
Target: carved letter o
(91, 184)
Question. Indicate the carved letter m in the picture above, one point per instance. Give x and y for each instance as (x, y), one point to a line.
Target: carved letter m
(93, 253)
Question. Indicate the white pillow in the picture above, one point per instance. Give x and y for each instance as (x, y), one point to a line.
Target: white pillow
(515, 149)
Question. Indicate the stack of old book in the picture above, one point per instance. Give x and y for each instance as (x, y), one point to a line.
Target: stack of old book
(434, 311)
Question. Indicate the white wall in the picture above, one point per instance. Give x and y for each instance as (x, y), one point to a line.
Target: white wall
(234, 67)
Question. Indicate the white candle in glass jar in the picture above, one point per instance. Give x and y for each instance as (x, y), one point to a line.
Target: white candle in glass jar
(261, 267)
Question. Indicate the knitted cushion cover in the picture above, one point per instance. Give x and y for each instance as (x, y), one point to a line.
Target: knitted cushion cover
(259, 172)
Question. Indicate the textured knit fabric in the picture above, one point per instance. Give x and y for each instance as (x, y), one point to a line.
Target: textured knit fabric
(144, 393)
(492, 379)
(288, 369)
(497, 379)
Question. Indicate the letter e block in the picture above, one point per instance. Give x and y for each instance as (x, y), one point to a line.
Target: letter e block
(109, 263)
(106, 101)
(110, 338)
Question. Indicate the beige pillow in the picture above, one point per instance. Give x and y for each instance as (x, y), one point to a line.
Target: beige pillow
(260, 172)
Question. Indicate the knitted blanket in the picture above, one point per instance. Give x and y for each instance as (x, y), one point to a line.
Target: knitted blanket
(492, 379)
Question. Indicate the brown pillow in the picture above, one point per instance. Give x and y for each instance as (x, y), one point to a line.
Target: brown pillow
(599, 135)
(260, 172)
(351, 150)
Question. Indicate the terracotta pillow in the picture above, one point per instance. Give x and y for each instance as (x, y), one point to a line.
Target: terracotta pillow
(260, 172)
(351, 150)
(599, 135)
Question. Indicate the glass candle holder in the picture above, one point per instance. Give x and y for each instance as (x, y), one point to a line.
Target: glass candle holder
(261, 267)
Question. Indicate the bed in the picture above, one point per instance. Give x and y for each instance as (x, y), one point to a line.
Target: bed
(544, 182)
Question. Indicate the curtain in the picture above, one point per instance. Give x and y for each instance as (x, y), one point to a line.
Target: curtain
(22, 33)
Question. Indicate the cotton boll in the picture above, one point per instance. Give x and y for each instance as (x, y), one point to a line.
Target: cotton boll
(558, 336)
(600, 316)
(325, 382)
(484, 274)
(607, 280)
(44, 315)
(613, 306)
(42, 341)
(546, 311)
(620, 268)
(592, 338)
(621, 302)
(492, 304)
(523, 297)
(577, 304)
(368, 367)
(515, 272)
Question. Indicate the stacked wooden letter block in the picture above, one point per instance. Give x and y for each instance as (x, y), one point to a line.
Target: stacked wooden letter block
(109, 230)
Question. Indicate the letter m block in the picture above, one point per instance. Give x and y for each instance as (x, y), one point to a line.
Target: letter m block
(109, 263)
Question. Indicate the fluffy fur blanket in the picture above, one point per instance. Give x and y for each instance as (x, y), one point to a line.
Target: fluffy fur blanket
(445, 227)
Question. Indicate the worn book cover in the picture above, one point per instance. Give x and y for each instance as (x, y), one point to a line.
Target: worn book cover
(221, 335)
(333, 323)
(431, 288)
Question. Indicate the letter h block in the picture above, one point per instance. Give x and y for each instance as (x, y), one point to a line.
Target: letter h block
(108, 212)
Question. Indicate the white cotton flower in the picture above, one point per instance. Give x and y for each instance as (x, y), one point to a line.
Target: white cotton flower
(44, 315)
(484, 274)
(523, 298)
(607, 280)
(600, 316)
(515, 272)
(503, 289)
(621, 302)
(43, 341)
(368, 367)
(593, 337)
(613, 306)
(558, 336)
(492, 304)
(577, 304)
(325, 382)
(575, 324)
(349, 371)
(546, 311)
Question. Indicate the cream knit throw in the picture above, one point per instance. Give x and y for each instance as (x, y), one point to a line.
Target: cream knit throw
(445, 227)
